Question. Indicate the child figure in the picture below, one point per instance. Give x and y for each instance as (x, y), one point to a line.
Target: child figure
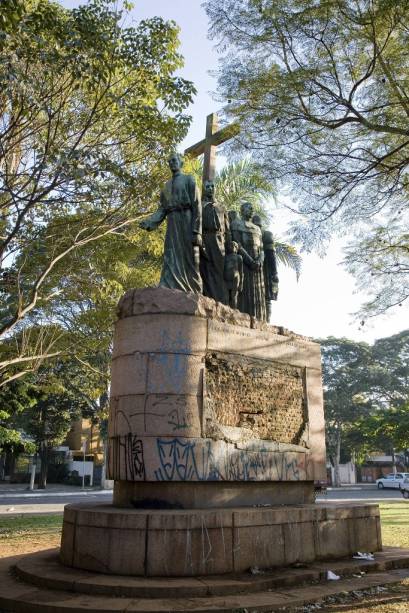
(233, 273)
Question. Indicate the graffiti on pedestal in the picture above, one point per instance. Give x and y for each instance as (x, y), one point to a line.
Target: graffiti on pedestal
(181, 460)
(178, 342)
(187, 460)
(184, 459)
(125, 458)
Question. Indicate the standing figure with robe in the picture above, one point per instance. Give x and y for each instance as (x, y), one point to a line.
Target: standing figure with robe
(252, 299)
(233, 273)
(269, 266)
(216, 235)
(180, 205)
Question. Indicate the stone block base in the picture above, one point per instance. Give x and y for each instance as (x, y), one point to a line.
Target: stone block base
(200, 393)
(180, 543)
(208, 494)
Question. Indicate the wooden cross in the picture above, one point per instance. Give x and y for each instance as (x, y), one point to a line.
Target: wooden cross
(213, 138)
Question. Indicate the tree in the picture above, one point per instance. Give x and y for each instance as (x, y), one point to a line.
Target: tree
(386, 430)
(55, 404)
(13, 400)
(321, 92)
(389, 376)
(89, 110)
(345, 365)
(366, 392)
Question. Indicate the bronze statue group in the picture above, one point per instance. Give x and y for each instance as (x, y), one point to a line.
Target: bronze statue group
(208, 250)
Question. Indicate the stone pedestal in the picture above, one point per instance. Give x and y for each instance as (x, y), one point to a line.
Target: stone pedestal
(216, 436)
(201, 395)
(185, 543)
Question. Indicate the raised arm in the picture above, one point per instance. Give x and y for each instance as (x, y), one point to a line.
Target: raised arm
(154, 220)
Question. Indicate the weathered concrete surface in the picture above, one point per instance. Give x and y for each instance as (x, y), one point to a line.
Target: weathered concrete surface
(201, 392)
(179, 543)
(44, 570)
(41, 587)
(265, 397)
(208, 494)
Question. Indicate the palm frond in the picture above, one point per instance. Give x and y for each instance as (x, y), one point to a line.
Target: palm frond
(243, 181)
(288, 255)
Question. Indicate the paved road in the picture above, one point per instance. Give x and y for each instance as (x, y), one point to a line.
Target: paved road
(48, 502)
(51, 501)
(361, 493)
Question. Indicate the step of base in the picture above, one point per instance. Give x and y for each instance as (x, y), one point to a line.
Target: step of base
(17, 596)
(43, 569)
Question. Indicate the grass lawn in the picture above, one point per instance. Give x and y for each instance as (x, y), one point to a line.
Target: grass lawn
(395, 524)
(25, 534)
(23, 526)
(395, 533)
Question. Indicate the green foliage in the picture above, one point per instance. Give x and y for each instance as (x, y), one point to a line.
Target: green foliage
(345, 365)
(38, 410)
(288, 256)
(14, 399)
(243, 181)
(48, 418)
(11, 13)
(89, 110)
(389, 375)
(321, 92)
(366, 393)
(386, 429)
(379, 259)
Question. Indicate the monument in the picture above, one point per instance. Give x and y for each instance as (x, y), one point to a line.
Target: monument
(216, 426)
(215, 439)
(216, 436)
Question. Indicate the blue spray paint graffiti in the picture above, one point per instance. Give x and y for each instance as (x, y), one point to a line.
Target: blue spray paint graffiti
(185, 460)
(180, 460)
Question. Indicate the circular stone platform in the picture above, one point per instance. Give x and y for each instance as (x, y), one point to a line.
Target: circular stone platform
(39, 583)
(183, 543)
(44, 569)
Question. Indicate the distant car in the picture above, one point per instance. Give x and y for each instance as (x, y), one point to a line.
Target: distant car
(392, 481)
(404, 488)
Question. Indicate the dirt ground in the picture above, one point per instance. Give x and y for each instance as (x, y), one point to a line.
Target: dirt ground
(17, 546)
(26, 534)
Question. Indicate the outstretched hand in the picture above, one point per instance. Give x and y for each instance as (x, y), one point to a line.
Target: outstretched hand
(256, 265)
(146, 225)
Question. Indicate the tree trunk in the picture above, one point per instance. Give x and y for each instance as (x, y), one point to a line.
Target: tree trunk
(2, 465)
(337, 457)
(393, 461)
(43, 453)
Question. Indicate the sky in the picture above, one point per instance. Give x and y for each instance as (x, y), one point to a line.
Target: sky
(322, 302)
